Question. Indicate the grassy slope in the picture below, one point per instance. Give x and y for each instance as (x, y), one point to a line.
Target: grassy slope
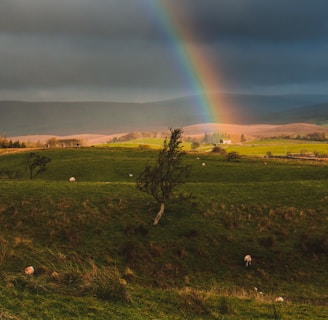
(188, 267)
(277, 147)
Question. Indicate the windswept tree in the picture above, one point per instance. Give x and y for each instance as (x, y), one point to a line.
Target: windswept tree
(160, 179)
(36, 164)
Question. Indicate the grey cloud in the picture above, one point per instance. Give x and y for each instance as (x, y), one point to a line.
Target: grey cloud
(110, 44)
(270, 64)
(116, 19)
(210, 20)
(32, 61)
(270, 20)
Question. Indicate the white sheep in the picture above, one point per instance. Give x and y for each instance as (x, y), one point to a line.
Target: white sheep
(258, 292)
(248, 260)
(203, 164)
(279, 299)
(29, 270)
(72, 179)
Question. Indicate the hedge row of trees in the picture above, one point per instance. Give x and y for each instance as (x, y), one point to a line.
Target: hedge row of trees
(4, 143)
(137, 135)
(214, 137)
(56, 143)
(315, 136)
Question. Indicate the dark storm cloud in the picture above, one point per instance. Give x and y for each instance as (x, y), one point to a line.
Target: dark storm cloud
(277, 20)
(254, 43)
(271, 64)
(257, 20)
(122, 44)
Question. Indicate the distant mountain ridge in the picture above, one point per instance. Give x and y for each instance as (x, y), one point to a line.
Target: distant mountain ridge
(64, 118)
(317, 114)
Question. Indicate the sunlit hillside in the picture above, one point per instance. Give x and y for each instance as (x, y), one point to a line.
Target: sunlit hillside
(196, 131)
(96, 254)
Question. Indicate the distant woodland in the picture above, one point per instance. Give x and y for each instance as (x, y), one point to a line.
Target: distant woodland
(5, 143)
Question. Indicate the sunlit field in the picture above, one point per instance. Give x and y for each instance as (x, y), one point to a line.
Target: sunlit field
(97, 255)
(277, 147)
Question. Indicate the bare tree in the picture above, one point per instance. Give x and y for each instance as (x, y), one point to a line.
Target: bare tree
(160, 179)
(36, 164)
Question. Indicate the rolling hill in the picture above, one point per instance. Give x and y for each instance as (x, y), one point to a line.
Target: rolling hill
(311, 114)
(66, 118)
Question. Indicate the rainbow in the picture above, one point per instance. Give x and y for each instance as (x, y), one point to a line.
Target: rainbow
(192, 61)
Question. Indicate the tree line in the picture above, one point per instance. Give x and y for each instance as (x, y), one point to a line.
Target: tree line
(315, 136)
(5, 143)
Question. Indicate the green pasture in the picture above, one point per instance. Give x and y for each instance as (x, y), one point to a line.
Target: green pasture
(98, 256)
(277, 147)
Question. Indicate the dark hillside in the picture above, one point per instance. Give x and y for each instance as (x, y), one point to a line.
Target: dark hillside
(317, 114)
(66, 118)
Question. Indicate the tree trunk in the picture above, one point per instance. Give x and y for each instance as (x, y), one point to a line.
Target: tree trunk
(159, 214)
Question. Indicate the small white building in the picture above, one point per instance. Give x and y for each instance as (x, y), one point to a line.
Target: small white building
(225, 141)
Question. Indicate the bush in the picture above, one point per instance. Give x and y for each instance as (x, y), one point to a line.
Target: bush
(195, 145)
(219, 150)
(233, 156)
(144, 147)
(108, 285)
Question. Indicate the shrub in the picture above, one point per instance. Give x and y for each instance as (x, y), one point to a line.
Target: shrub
(144, 147)
(233, 156)
(107, 284)
(195, 145)
(219, 150)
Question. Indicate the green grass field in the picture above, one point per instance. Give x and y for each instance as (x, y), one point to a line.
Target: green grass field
(277, 147)
(97, 255)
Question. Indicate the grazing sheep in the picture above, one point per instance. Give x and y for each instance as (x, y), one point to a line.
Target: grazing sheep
(258, 292)
(203, 164)
(248, 260)
(279, 299)
(130, 175)
(72, 179)
(29, 270)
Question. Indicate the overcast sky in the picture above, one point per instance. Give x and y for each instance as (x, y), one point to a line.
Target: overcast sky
(120, 50)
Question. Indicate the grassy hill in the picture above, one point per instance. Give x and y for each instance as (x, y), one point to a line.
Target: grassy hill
(97, 255)
(317, 113)
(80, 117)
